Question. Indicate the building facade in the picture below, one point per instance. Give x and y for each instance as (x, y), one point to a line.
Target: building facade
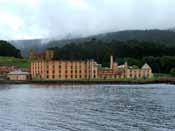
(135, 73)
(45, 68)
(47, 55)
(124, 71)
(4, 70)
(63, 70)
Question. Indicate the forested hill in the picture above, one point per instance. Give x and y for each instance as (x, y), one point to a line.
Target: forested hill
(159, 56)
(158, 36)
(6, 49)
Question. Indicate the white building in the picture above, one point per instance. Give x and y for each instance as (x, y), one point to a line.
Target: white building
(18, 75)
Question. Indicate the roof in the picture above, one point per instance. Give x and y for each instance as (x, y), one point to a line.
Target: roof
(121, 66)
(18, 72)
(134, 67)
(146, 66)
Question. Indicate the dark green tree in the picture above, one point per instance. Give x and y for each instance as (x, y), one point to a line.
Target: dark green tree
(6, 49)
(172, 72)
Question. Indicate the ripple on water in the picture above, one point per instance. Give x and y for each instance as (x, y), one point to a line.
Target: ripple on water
(91, 108)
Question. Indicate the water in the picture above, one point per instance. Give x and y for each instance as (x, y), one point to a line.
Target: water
(87, 108)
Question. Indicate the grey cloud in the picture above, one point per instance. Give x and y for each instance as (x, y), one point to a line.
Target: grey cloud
(58, 18)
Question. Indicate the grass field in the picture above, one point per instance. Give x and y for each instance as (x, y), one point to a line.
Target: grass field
(12, 61)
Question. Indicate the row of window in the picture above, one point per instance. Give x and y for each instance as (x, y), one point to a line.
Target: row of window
(60, 72)
(37, 68)
(69, 77)
(66, 67)
(135, 76)
(138, 71)
(71, 71)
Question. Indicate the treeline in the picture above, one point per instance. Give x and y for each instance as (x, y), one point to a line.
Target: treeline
(159, 56)
(6, 49)
(160, 36)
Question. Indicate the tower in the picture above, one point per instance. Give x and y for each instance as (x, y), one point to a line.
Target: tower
(111, 62)
(31, 54)
(126, 64)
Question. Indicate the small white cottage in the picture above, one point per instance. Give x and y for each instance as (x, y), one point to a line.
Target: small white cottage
(18, 75)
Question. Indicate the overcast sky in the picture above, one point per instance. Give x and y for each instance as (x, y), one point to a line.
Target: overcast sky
(27, 19)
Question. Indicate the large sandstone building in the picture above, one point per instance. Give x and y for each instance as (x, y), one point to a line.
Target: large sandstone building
(44, 67)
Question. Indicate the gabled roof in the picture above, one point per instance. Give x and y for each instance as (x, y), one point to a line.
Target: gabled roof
(146, 66)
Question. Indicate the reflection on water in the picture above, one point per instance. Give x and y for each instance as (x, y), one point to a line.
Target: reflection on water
(87, 108)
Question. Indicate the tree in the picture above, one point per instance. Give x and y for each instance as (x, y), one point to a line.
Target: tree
(6, 49)
(172, 72)
(160, 57)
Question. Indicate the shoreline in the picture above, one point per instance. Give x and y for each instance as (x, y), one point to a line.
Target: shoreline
(86, 82)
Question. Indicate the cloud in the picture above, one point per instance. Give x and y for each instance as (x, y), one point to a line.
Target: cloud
(24, 19)
(9, 25)
(13, 22)
(78, 4)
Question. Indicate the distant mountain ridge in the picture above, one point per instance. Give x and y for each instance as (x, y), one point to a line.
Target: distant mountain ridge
(159, 36)
(172, 29)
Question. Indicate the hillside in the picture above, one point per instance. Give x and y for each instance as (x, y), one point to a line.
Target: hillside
(11, 56)
(12, 61)
(7, 49)
(159, 36)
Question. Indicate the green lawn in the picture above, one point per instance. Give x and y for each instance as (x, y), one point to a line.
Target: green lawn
(12, 61)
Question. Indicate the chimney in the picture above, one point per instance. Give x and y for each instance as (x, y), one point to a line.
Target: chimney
(111, 62)
(126, 64)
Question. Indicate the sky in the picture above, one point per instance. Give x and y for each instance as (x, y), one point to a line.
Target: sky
(30, 19)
